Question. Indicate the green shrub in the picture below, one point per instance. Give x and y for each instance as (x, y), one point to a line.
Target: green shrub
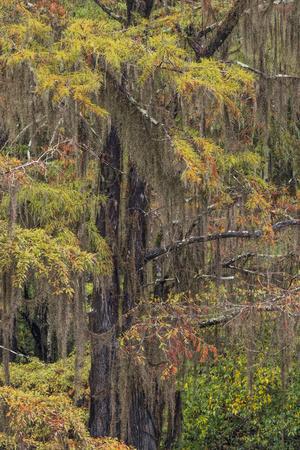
(221, 413)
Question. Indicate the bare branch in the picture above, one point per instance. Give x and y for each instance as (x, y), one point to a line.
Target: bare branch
(286, 223)
(143, 111)
(159, 251)
(267, 306)
(28, 164)
(40, 161)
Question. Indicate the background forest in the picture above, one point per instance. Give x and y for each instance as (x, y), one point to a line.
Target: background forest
(149, 224)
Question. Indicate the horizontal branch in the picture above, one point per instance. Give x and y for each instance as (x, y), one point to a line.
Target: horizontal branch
(286, 223)
(231, 261)
(269, 305)
(159, 251)
(249, 271)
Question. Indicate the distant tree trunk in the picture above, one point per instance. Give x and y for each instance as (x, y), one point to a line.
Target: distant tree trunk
(8, 289)
(6, 324)
(38, 329)
(79, 338)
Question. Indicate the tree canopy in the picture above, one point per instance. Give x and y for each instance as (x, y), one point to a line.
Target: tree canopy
(149, 217)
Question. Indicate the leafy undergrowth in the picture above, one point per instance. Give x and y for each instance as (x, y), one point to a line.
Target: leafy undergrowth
(48, 379)
(222, 413)
(37, 411)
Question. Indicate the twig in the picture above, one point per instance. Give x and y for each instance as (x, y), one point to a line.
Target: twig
(20, 134)
(279, 76)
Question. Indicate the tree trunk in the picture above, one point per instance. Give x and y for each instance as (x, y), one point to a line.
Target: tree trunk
(119, 403)
(104, 317)
(144, 416)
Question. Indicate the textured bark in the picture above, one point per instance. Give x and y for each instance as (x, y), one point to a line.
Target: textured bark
(143, 432)
(136, 239)
(79, 337)
(8, 289)
(106, 297)
(144, 416)
(120, 405)
(174, 422)
(6, 324)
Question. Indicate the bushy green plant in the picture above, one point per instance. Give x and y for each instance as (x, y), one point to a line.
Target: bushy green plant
(221, 412)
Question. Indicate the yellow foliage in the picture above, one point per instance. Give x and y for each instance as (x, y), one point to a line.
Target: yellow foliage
(71, 64)
(162, 51)
(200, 157)
(224, 82)
(53, 259)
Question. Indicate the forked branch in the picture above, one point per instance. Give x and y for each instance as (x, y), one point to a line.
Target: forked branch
(110, 12)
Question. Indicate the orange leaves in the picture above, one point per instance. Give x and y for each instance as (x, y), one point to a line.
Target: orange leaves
(10, 174)
(171, 330)
(67, 149)
(52, 6)
(57, 9)
(192, 348)
(169, 372)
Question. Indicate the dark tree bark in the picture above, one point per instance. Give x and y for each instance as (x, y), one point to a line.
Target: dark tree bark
(144, 419)
(123, 222)
(104, 317)
(136, 239)
(144, 7)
